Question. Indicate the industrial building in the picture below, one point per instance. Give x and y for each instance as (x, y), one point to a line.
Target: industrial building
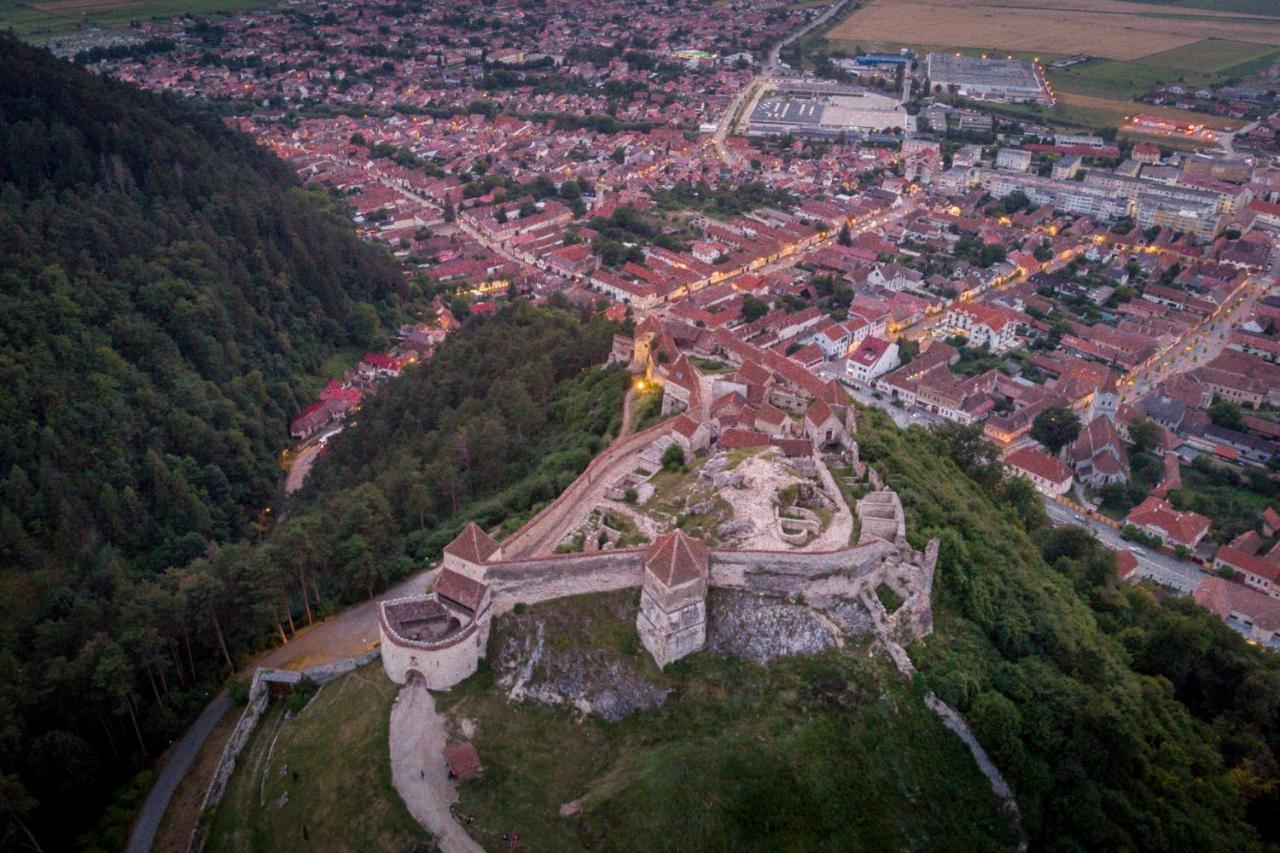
(825, 110)
(1014, 80)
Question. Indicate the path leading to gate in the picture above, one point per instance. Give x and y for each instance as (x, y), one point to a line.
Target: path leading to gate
(417, 740)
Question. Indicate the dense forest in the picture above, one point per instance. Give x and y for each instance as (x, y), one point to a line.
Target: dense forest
(168, 294)
(1124, 719)
(169, 297)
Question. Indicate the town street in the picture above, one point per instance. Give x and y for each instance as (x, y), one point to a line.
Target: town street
(1181, 575)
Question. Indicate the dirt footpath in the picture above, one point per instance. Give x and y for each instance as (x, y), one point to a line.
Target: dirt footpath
(418, 770)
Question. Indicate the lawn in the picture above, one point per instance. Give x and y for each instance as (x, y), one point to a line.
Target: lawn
(41, 21)
(834, 751)
(322, 780)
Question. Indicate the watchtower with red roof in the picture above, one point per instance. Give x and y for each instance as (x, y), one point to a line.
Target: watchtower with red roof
(468, 553)
(673, 597)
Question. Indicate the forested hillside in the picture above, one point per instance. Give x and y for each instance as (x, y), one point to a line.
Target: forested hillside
(1122, 720)
(168, 294)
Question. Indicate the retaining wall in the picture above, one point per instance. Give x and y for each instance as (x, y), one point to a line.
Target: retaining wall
(530, 538)
(259, 695)
(792, 572)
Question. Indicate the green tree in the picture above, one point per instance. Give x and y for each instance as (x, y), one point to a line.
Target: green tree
(1055, 428)
(1227, 414)
(1144, 433)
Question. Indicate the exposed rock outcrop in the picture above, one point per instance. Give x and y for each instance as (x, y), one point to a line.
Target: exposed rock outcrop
(761, 627)
(555, 656)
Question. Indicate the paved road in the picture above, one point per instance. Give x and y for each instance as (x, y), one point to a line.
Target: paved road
(152, 813)
(1181, 575)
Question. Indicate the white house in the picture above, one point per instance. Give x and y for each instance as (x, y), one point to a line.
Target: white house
(983, 324)
(873, 358)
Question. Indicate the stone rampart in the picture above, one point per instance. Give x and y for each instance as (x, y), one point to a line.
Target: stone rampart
(532, 537)
(545, 578)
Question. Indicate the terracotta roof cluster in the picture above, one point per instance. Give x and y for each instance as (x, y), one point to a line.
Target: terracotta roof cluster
(1225, 597)
(1181, 527)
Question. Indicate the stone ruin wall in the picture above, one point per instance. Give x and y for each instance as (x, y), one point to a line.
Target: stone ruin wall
(259, 695)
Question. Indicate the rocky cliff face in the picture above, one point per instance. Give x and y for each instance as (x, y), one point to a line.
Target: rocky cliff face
(581, 652)
(762, 627)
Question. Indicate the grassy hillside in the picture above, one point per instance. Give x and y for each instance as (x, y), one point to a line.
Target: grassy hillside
(834, 751)
(321, 780)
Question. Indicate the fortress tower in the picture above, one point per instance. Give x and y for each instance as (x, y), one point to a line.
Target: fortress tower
(673, 597)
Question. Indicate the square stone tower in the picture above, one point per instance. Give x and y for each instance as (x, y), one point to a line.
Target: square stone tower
(673, 598)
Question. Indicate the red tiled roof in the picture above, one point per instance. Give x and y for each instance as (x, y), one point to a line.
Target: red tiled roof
(740, 439)
(1039, 464)
(1181, 527)
(472, 544)
(1126, 563)
(1258, 566)
(463, 761)
(676, 558)
(460, 589)
(1225, 597)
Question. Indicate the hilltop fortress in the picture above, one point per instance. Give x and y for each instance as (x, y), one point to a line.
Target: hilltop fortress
(441, 636)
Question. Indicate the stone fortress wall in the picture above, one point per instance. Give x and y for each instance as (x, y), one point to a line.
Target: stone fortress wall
(534, 536)
(833, 582)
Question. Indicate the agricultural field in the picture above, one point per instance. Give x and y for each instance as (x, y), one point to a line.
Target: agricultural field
(41, 20)
(1107, 28)
(1201, 64)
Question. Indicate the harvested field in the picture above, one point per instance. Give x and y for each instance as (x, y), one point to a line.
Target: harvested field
(1108, 28)
(1201, 64)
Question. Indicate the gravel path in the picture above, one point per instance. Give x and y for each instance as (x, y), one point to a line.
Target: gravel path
(417, 742)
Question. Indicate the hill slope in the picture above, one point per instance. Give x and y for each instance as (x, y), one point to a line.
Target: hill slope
(168, 295)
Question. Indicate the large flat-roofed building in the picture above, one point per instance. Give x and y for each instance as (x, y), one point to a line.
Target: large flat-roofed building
(1014, 80)
(824, 110)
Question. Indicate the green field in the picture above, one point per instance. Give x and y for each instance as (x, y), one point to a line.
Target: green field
(41, 21)
(321, 781)
(1201, 64)
(1243, 7)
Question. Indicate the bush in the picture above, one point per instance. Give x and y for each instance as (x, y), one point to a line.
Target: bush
(673, 458)
(301, 694)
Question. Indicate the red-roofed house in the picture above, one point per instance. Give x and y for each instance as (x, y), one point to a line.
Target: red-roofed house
(1258, 572)
(1248, 611)
(983, 324)
(1158, 518)
(873, 358)
(1047, 473)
